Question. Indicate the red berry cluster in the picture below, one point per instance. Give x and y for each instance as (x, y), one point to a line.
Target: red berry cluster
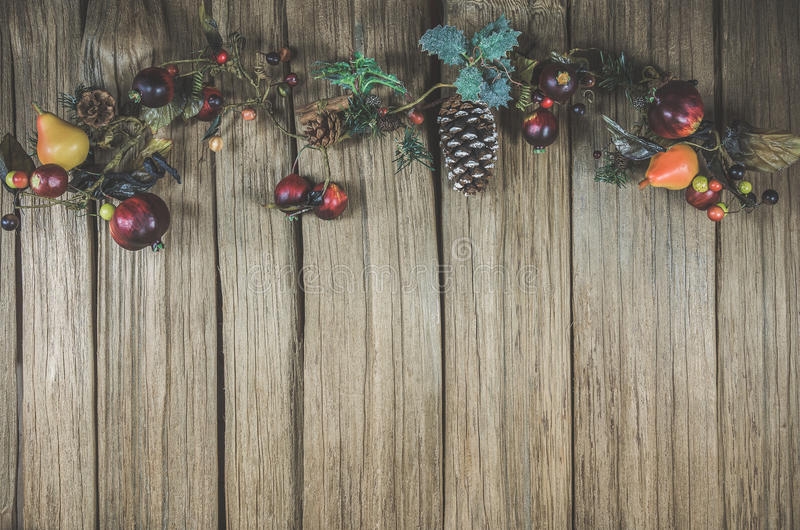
(296, 195)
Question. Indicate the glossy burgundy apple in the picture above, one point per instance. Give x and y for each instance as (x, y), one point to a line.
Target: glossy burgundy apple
(49, 180)
(140, 222)
(333, 202)
(540, 128)
(292, 190)
(702, 200)
(676, 111)
(154, 87)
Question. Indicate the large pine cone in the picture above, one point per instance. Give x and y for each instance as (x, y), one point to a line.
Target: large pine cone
(469, 143)
(324, 130)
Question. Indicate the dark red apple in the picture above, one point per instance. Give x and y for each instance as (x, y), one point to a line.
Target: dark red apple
(676, 111)
(49, 180)
(212, 104)
(139, 222)
(540, 128)
(333, 203)
(702, 200)
(292, 190)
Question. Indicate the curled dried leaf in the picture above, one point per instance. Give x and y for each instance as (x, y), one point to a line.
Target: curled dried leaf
(761, 149)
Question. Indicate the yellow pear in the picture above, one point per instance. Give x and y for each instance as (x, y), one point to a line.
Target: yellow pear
(59, 142)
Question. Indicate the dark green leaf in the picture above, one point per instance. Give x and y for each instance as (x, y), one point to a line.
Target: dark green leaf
(629, 145)
(496, 93)
(159, 118)
(469, 83)
(760, 149)
(496, 39)
(14, 156)
(448, 42)
(213, 128)
(210, 29)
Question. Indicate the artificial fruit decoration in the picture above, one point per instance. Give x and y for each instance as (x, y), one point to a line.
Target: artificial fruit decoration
(540, 129)
(558, 81)
(292, 190)
(49, 180)
(153, 87)
(59, 142)
(702, 200)
(140, 222)
(332, 203)
(672, 169)
(676, 110)
(212, 104)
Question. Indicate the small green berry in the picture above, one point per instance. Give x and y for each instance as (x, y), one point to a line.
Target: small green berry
(106, 211)
(745, 187)
(700, 184)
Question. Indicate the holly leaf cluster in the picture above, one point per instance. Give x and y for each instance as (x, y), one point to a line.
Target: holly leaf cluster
(485, 67)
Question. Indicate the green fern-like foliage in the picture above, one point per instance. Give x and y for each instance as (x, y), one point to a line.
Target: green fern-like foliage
(485, 67)
(410, 149)
(358, 75)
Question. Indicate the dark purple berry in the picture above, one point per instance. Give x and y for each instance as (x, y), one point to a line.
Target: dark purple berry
(736, 172)
(537, 96)
(273, 58)
(769, 197)
(579, 109)
(597, 155)
(291, 79)
(10, 222)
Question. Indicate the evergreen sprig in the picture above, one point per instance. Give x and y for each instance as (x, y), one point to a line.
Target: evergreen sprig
(485, 68)
(359, 75)
(411, 149)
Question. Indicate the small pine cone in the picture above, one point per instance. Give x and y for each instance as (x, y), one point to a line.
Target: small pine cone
(640, 102)
(324, 130)
(373, 101)
(620, 161)
(389, 123)
(95, 108)
(469, 143)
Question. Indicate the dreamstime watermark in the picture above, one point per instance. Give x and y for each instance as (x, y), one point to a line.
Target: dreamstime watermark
(465, 269)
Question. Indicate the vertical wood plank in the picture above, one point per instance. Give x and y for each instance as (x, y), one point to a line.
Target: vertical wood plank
(758, 278)
(58, 432)
(643, 302)
(261, 326)
(157, 333)
(372, 387)
(8, 307)
(507, 344)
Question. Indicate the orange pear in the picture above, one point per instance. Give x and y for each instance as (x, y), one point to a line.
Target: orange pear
(59, 142)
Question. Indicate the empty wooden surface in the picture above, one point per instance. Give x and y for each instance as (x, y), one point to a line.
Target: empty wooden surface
(554, 353)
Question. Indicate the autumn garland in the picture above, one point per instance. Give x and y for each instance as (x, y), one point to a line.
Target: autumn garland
(109, 161)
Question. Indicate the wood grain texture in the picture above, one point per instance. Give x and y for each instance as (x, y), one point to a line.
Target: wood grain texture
(372, 388)
(157, 332)
(643, 303)
(261, 298)
(758, 277)
(8, 307)
(507, 345)
(58, 432)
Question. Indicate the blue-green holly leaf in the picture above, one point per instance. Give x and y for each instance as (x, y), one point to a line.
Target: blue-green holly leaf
(497, 92)
(448, 42)
(496, 39)
(469, 83)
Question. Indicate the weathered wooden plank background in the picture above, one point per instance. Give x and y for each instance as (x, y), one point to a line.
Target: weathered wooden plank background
(554, 353)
